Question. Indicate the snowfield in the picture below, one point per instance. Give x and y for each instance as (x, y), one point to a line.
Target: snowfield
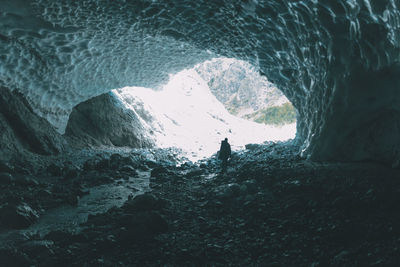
(186, 115)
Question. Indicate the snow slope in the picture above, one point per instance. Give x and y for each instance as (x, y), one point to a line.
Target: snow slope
(185, 114)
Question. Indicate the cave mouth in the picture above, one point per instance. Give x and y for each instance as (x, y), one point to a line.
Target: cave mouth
(219, 98)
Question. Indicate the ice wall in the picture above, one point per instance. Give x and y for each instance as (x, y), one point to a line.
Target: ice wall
(337, 61)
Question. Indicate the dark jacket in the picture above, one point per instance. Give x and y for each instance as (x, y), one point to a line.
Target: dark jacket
(225, 150)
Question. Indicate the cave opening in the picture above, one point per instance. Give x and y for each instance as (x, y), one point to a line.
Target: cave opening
(216, 99)
(89, 175)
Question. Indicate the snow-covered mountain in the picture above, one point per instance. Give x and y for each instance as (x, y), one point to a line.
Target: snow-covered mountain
(185, 114)
(241, 88)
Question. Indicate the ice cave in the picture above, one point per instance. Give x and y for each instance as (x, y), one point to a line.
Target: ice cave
(112, 113)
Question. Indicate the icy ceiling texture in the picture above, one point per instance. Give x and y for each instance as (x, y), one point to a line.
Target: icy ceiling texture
(337, 61)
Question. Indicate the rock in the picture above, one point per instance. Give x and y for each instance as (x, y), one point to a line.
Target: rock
(18, 216)
(38, 248)
(27, 180)
(145, 202)
(82, 192)
(150, 164)
(90, 164)
(58, 189)
(104, 243)
(70, 174)
(60, 236)
(127, 168)
(5, 167)
(102, 165)
(12, 257)
(23, 130)
(102, 120)
(195, 173)
(104, 179)
(21, 170)
(251, 185)
(73, 200)
(188, 165)
(6, 178)
(243, 189)
(252, 146)
(159, 172)
(44, 193)
(115, 161)
(228, 191)
(396, 163)
(340, 258)
(54, 170)
(142, 226)
(154, 222)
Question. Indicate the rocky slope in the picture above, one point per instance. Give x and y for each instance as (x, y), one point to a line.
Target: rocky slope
(238, 86)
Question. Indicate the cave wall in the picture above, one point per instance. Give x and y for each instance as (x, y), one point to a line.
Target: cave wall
(22, 132)
(366, 118)
(336, 61)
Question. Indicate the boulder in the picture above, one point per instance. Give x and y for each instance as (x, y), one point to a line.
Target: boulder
(6, 178)
(102, 165)
(23, 169)
(64, 237)
(195, 172)
(149, 164)
(5, 167)
(18, 216)
(102, 120)
(159, 172)
(228, 191)
(251, 185)
(127, 168)
(70, 174)
(90, 164)
(54, 169)
(252, 146)
(38, 248)
(44, 193)
(27, 180)
(12, 257)
(115, 161)
(142, 226)
(145, 202)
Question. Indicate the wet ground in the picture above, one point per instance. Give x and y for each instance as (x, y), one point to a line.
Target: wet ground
(98, 199)
(271, 208)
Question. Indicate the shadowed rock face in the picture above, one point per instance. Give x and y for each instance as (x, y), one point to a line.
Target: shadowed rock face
(23, 132)
(103, 120)
(336, 61)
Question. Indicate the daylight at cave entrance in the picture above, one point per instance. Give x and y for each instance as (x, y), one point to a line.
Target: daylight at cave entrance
(187, 114)
(112, 114)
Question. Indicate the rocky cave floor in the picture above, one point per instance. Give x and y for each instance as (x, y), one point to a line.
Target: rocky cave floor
(271, 208)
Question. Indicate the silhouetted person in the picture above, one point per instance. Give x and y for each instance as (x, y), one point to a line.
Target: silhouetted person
(224, 153)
